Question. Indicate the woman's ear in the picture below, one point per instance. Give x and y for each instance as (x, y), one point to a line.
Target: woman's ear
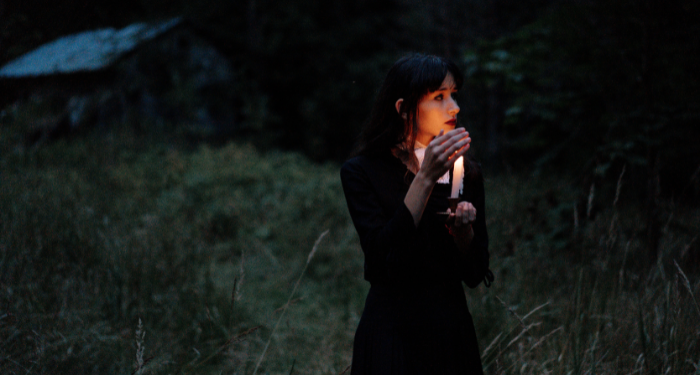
(398, 108)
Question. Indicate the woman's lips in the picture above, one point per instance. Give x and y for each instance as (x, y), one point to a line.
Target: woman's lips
(452, 122)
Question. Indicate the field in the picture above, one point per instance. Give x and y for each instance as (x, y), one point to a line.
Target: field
(120, 254)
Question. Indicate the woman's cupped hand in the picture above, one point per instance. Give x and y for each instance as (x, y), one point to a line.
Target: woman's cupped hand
(460, 221)
(443, 151)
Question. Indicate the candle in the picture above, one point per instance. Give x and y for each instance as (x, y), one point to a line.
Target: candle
(458, 178)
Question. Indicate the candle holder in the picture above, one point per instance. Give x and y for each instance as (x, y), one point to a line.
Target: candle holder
(452, 202)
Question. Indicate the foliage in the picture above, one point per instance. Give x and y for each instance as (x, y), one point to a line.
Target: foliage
(128, 251)
(204, 246)
(594, 86)
(307, 71)
(97, 235)
(583, 86)
(571, 294)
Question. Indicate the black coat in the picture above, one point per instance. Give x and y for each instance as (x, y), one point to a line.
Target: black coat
(416, 319)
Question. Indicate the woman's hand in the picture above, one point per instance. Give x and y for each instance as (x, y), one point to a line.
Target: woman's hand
(442, 152)
(440, 155)
(460, 223)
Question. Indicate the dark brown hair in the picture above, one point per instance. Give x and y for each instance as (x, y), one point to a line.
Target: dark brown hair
(410, 78)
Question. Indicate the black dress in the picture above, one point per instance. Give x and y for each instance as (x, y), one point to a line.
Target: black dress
(416, 319)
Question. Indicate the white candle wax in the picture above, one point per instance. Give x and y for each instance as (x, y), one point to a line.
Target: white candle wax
(457, 178)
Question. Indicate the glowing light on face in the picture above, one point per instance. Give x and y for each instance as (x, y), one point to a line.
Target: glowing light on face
(437, 111)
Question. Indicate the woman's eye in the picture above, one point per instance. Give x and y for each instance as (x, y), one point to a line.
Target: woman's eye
(439, 97)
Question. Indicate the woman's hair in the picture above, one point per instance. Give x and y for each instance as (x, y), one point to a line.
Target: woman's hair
(410, 78)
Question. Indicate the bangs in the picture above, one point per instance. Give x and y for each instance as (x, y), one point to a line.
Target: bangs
(432, 72)
(393, 121)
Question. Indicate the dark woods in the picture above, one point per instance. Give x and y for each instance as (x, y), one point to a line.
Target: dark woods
(584, 88)
(118, 206)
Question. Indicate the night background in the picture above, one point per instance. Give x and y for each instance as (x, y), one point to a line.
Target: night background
(158, 212)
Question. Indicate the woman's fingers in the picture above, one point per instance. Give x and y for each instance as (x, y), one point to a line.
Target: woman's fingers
(444, 150)
(456, 149)
(456, 144)
(445, 140)
(451, 145)
(465, 213)
(460, 148)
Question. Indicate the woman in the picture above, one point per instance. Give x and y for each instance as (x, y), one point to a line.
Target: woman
(416, 319)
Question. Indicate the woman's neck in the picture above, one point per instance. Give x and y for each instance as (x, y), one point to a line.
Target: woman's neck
(424, 139)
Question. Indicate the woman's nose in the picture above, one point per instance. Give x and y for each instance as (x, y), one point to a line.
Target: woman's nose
(454, 107)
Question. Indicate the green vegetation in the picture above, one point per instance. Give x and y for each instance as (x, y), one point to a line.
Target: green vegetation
(199, 250)
(131, 248)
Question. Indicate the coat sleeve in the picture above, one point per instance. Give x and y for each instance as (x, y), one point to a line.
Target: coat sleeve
(476, 261)
(385, 238)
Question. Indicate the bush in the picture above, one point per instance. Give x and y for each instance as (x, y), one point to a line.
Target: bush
(204, 247)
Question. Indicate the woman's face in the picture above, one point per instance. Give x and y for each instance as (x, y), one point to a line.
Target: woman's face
(437, 111)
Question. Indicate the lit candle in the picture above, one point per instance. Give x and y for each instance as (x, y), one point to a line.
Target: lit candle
(458, 178)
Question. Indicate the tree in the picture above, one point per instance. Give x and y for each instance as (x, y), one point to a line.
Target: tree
(597, 85)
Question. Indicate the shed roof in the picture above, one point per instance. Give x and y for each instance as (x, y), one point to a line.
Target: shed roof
(86, 51)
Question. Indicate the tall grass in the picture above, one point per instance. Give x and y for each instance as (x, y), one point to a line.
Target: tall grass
(119, 256)
(576, 298)
(99, 232)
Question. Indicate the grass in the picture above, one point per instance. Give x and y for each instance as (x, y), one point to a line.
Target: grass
(123, 256)
(586, 304)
